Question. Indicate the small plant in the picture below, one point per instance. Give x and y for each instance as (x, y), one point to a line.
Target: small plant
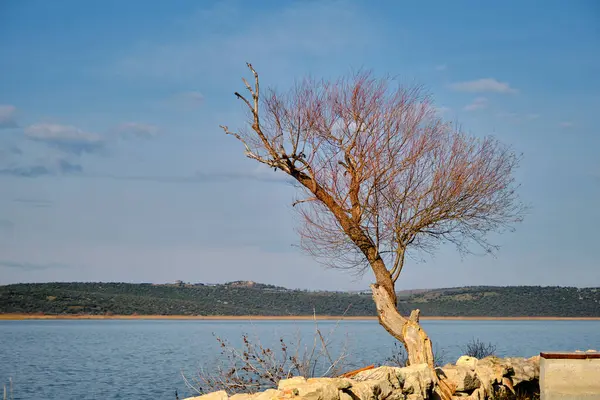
(254, 367)
(504, 394)
(478, 349)
(399, 358)
(440, 356)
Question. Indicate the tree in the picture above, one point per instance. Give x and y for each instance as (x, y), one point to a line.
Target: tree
(381, 177)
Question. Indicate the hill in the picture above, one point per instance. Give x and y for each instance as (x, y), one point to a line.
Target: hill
(250, 298)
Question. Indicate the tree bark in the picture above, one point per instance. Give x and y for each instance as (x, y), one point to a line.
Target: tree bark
(406, 330)
(414, 338)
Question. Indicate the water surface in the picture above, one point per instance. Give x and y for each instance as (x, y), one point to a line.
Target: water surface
(137, 359)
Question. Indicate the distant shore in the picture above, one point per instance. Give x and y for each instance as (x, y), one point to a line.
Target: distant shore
(14, 317)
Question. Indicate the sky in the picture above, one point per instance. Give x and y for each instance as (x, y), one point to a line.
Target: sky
(113, 166)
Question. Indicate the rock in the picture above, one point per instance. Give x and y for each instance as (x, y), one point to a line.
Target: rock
(269, 394)
(291, 382)
(465, 378)
(478, 394)
(490, 371)
(345, 396)
(243, 396)
(418, 379)
(523, 369)
(371, 390)
(220, 395)
(470, 379)
(467, 361)
(394, 375)
(317, 389)
(338, 383)
(415, 379)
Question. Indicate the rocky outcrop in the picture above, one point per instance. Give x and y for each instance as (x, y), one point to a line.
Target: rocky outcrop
(481, 379)
(468, 379)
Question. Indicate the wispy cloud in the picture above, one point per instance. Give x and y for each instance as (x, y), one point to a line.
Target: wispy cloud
(192, 98)
(9, 152)
(567, 124)
(26, 266)
(38, 203)
(478, 103)
(60, 167)
(137, 129)
(483, 85)
(442, 109)
(64, 137)
(260, 174)
(441, 67)
(516, 117)
(7, 116)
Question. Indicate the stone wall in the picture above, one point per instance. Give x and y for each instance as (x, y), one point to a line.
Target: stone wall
(468, 379)
(570, 376)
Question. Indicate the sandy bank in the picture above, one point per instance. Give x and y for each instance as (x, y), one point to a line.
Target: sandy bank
(272, 318)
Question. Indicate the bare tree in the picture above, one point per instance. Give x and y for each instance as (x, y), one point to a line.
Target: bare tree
(381, 176)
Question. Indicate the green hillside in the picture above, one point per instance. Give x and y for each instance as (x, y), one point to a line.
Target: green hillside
(248, 298)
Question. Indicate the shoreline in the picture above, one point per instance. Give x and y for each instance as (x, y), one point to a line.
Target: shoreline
(19, 317)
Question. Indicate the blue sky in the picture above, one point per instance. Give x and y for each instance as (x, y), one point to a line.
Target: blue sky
(113, 167)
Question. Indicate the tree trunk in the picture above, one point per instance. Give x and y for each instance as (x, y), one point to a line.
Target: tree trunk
(406, 330)
(410, 333)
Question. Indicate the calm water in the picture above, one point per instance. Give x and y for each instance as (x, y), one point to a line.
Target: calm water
(144, 359)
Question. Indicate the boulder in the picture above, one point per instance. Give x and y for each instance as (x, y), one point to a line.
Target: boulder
(490, 371)
(220, 395)
(463, 377)
(338, 383)
(416, 381)
(314, 389)
(467, 361)
(390, 374)
(291, 382)
(524, 369)
(371, 390)
(269, 394)
(243, 396)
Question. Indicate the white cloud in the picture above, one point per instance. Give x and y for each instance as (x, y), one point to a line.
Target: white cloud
(67, 138)
(567, 124)
(478, 103)
(441, 67)
(7, 116)
(483, 85)
(516, 117)
(192, 96)
(138, 129)
(442, 110)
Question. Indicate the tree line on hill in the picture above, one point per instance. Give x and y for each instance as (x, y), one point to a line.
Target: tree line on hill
(248, 298)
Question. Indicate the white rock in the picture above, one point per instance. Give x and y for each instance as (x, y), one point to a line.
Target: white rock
(464, 377)
(467, 361)
(291, 382)
(220, 395)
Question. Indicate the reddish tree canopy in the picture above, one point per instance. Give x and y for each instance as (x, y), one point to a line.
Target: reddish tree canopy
(381, 173)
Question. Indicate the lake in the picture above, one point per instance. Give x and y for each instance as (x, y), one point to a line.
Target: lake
(136, 359)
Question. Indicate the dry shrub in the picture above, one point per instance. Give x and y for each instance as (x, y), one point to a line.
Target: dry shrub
(478, 349)
(255, 367)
